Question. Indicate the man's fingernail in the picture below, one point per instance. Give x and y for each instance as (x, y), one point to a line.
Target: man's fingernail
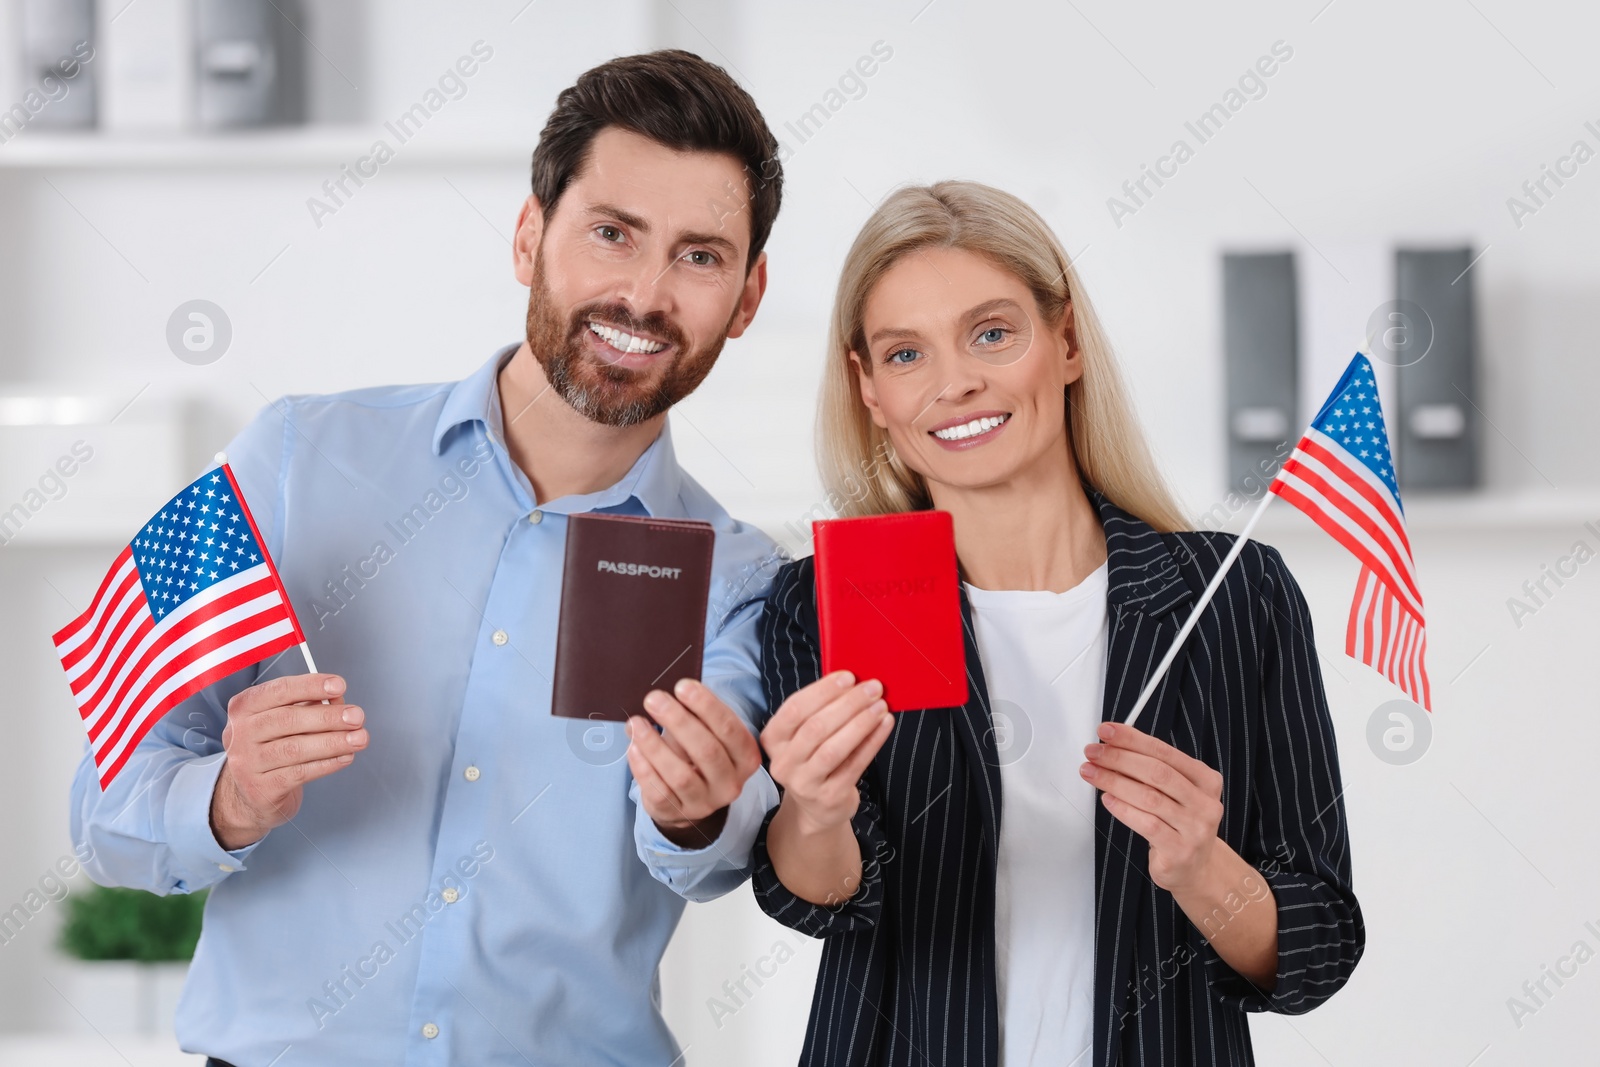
(330, 685)
(352, 715)
(1107, 730)
(346, 758)
(358, 737)
(873, 687)
(845, 679)
(684, 687)
(654, 699)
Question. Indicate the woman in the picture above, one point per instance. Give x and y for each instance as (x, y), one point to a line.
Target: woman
(1024, 880)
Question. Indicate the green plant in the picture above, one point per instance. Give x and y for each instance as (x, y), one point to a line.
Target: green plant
(130, 924)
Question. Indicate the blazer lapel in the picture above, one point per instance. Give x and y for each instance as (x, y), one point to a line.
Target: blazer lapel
(1146, 596)
(974, 729)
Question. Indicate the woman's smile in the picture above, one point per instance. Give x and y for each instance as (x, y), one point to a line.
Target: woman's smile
(970, 431)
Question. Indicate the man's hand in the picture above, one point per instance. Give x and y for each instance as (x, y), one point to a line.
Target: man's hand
(820, 743)
(690, 774)
(279, 737)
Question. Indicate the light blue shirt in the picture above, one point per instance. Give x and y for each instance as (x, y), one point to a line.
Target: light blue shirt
(470, 889)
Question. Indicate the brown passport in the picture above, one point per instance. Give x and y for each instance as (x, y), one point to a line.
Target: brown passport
(633, 612)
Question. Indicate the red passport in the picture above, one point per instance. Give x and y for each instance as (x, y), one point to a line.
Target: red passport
(889, 606)
(633, 612)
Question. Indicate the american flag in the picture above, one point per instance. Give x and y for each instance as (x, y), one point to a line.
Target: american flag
(193, 598)
(1342, 475)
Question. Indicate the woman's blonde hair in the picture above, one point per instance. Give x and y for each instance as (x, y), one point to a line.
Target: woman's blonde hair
(859, 469)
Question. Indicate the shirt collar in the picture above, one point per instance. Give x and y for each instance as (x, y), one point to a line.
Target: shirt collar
(654, 479)
(475, 398)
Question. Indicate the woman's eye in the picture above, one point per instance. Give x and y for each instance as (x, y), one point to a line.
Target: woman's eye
(609, 233)
(993, 335)
(894, 357)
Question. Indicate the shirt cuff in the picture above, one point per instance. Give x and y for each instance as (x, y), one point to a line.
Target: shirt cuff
(188, 823)
(683, 869)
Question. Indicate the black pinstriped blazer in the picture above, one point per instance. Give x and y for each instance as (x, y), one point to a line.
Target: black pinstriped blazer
(908, 969)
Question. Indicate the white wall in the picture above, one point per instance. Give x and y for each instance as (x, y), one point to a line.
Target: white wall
(1392, 124)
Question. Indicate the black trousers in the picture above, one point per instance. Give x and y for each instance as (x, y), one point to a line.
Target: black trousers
(212, 1061)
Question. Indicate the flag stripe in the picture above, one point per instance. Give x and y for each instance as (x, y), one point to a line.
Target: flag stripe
(1343, 514)
(169, 643)
(234, 621)
(1408, 661)
(1320, 446)
(154, 686)
(113, 638)
(1384, 656)
(1356, 541)
(244, 657)
(1422, 671)
(90, 639)
(1334, 478)
(143, 631)
(69, 635)
(1386, 637)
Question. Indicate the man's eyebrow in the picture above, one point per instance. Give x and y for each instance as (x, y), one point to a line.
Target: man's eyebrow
(714, 240)
(627, 218)
(632, 221)
(976, 312)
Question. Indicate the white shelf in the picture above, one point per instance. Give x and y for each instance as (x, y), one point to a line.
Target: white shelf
(314, 147)
(115, 1050)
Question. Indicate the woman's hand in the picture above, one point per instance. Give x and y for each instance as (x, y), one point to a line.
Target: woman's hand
(819, 744)
(1172, 800)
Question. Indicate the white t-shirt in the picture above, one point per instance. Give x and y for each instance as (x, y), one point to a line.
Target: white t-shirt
(1044, 659)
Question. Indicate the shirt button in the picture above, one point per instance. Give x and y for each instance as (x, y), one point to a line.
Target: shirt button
(499, 637)
(430, 1031)
(536, 516)
(226, 868)
(471, 774)
(450, 893)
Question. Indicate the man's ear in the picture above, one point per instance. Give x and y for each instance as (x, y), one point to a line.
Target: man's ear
(869, 391)
(525, 243)
(755, 287)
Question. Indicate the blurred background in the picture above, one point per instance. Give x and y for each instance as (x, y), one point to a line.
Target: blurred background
(180, 242)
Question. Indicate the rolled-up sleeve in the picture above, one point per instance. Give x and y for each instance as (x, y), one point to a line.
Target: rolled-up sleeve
(1301, 843)
(790, 661)
(858, 912)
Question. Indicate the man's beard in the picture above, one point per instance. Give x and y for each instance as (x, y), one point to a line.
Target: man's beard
(605, 393)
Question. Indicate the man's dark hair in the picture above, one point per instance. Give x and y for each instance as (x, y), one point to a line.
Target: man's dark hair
(676, 99)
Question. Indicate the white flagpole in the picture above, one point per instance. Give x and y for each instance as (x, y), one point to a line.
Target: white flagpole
(221, 459)
(1194, 616)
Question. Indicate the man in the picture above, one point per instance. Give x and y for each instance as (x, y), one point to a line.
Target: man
(411, 861)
